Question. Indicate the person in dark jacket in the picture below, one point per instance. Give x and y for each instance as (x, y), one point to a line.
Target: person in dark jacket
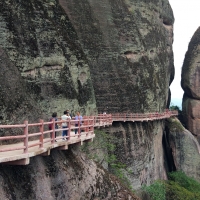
(54, 116)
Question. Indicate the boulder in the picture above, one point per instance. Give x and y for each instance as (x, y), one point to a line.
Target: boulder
(185, 149)
(190, 83)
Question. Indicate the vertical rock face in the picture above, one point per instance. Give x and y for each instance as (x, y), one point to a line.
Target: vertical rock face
(190, 83)
(185, 149)
(140, 148)
(129, 48)
(68, 175)
(63, 49)
(43, 47)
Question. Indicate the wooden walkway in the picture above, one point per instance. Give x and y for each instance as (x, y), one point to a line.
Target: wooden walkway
(26, 145)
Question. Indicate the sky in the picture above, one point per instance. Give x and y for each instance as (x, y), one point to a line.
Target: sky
(187, 16)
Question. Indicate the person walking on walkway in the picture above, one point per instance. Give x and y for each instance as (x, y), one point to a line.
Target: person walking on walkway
(54, 116)
(79, 119)
(64, 119)
(69, 113)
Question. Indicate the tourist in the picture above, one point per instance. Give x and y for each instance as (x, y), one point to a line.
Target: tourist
(80, 118)
(68, 111)
(54, 116)
(64, 119)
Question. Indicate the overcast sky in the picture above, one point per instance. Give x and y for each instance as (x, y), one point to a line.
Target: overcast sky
(187, 17)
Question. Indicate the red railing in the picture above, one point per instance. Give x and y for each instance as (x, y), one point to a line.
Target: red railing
(85, 127)
(143, 116)
(43, 139)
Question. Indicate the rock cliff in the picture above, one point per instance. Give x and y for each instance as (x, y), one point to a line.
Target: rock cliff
(91, 56)
(190, 83)
(69, 175)
(129, 48)
(182, 148)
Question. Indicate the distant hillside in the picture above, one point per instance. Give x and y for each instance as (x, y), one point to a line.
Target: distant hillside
(177, 102)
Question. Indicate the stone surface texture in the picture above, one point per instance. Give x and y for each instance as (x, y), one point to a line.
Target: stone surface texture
(190, 83)
(63, 175)
(139, 147)
(43, 47)
(129, 47)
(185, 149)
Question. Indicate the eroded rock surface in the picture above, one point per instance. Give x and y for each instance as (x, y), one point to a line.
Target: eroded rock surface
(190, 83)
(185, 149)
(139, 147)
(59, 47)
(63, 175)
(44, 50)
(129, 48)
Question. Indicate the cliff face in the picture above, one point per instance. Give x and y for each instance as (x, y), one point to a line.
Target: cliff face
(44, 49)
(58, 47)
(183, 149)
(63, 175)
(91, 56)
(140, 148)
(191, 103)
(129, 48)
(190, 83)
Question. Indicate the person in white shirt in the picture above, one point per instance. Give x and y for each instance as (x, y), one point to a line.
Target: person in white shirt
(65, 117)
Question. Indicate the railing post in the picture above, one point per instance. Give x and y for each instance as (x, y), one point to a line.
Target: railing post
(69, 129)
(94, 122)
(53, 133)
(92, 128)
(42, 133)
(88, 128)
(26, 137)
(79, 128)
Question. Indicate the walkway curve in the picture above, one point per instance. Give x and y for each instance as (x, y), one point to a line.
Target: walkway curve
(35, 138)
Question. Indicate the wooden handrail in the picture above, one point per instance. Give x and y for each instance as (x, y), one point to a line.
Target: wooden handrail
(87, 124)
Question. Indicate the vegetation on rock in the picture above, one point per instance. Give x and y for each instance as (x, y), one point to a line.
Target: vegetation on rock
(179, 187)
(174, 125)
(102, 150)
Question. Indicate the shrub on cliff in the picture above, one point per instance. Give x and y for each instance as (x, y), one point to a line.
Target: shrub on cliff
(174, 125)
(178, 187)
(186, 182)
(102, 150)
(156, 191)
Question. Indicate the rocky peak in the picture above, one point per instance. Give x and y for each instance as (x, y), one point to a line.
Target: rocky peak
(190, 83)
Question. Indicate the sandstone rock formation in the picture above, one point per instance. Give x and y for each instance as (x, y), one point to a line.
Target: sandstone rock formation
(190, 83)
(139, 147)
(60, 46)
(42, 46)
(184, 149)
(63, 175)
(129, 48)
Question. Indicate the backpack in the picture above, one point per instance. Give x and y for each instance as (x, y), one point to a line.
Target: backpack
(51, 125)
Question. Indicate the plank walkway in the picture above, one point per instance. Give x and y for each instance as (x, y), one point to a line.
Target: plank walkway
(41, 142)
